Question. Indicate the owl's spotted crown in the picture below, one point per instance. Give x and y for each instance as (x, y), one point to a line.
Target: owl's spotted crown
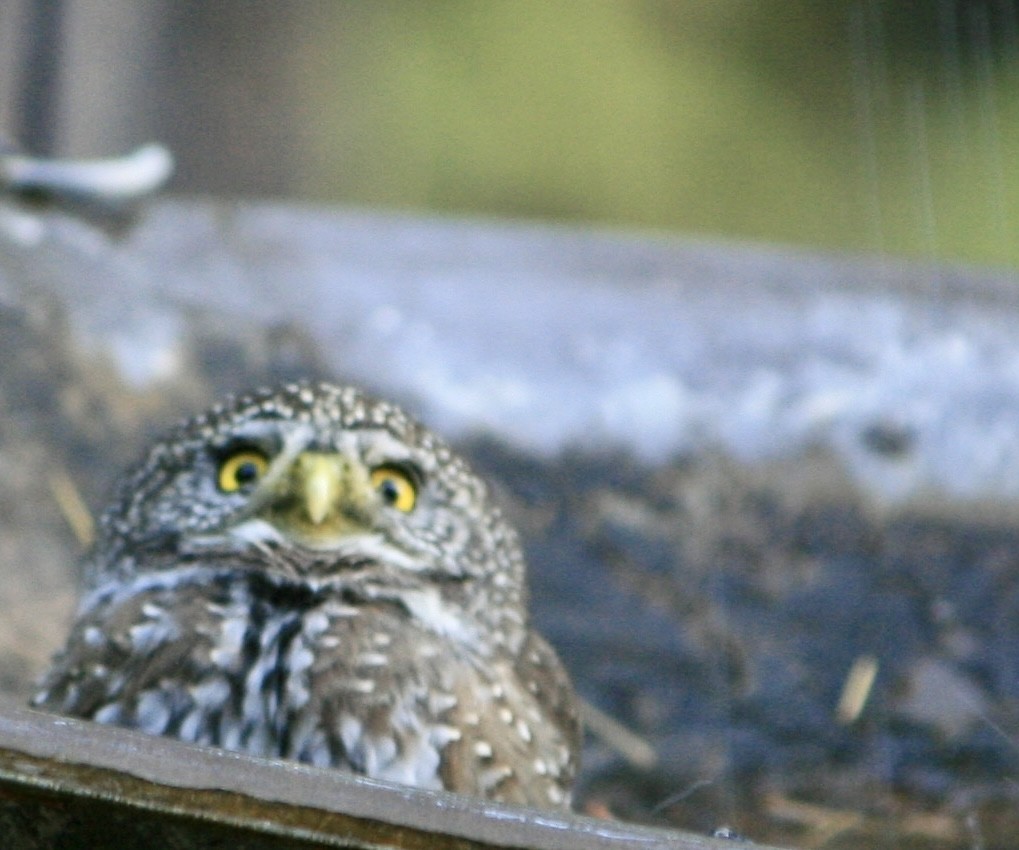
(333, 443)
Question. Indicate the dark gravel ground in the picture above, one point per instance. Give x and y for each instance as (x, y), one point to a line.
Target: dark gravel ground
(718, 612)
(713, 608)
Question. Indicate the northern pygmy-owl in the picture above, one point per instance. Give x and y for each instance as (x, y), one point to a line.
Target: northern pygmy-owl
(310, 574)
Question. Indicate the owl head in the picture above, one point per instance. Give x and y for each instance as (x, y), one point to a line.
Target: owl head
(309, 483)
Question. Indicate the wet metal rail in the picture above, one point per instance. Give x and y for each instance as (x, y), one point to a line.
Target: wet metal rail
(66, 783)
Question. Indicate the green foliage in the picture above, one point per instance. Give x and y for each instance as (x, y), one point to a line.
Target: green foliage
(867, 126)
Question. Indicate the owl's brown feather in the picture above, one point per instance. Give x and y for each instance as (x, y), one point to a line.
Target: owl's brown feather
(391, 640)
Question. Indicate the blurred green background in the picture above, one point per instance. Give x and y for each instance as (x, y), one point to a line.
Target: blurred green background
(878, 126)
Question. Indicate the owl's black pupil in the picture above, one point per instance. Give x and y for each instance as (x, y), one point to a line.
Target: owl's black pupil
(247, 473)
(389, 490)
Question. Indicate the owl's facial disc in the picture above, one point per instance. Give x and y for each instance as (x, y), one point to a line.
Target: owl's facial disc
(322, 499)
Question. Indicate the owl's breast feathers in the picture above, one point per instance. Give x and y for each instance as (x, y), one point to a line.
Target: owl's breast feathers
(330, 679)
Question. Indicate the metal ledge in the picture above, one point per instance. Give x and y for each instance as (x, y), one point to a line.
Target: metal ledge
(73, 783)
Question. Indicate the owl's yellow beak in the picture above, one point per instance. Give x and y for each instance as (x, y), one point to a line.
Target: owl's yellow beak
(323, 497)
(321, 481)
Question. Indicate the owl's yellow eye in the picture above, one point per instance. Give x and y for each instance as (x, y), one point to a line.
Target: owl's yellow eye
(395, 488)
(241, 470)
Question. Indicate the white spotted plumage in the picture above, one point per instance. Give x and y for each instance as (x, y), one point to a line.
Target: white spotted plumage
(401, 651)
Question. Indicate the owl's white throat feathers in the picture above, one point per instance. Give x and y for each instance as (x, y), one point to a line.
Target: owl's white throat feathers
(257, 533)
